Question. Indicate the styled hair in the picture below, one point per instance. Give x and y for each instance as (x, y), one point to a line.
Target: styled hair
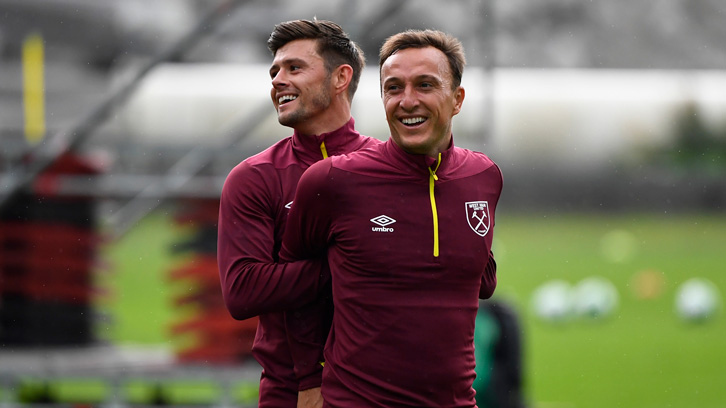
(446, 43)
(334, 45)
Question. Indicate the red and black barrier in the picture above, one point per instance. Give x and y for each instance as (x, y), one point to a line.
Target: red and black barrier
(48, 246)
(217, 337)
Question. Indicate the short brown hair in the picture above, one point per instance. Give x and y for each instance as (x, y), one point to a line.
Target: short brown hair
(446, 43)
(334, 45)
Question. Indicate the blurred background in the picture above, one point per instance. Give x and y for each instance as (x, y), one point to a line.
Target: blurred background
(120, 119)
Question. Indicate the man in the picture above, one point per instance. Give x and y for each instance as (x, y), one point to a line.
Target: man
(315, 73)
(407, 228)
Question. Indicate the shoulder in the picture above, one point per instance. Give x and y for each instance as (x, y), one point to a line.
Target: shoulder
(318, 171)
(474, 162)
(265, 163)
(359, 161)
(327, 174)
(255, 172)
(371, 142)
(367, 148)
(278, 154)
(316, 183)
(474, 166)
(473, 158)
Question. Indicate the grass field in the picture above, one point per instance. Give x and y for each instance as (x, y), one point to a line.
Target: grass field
(642, 356)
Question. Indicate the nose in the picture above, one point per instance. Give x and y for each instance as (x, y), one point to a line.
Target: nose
(280, 79)
(409, 101)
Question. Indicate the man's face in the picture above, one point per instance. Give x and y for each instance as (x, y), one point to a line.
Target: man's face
(300, 83)
(419, 100)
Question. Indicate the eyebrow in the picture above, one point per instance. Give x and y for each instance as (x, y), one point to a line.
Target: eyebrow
(419, 78)
(430, 78)
(289, 61)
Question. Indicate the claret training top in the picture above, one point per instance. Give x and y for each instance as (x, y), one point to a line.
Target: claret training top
(254, 205)
(408, 240)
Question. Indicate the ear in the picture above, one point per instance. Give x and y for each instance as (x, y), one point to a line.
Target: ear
(458, 99)
(342, 75)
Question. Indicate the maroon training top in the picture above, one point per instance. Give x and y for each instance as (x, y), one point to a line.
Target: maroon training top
(254, 204)
(409, 247)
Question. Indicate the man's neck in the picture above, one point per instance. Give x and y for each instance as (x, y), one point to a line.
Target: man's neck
(333, 118)
(318, 129)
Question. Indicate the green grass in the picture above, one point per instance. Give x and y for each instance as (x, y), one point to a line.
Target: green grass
(144, 392)
(643, 356)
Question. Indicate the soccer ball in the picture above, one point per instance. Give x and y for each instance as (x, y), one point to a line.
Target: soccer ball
(552, 301)
(595, 297)
(697, 300)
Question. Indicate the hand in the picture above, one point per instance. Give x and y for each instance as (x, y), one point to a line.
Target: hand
(311, 398)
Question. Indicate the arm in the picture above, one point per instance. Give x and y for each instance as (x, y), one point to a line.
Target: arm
(252, 281)
(307, 331)
(488, 278)
(308, 228)
(307, 234)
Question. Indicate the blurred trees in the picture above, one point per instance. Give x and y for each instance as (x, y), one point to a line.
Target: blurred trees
(697, 145)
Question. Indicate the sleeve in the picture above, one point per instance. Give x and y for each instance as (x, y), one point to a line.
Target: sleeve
(309, 222)
(307, 331)
(307, 234)
(252, 281)
(488, 278)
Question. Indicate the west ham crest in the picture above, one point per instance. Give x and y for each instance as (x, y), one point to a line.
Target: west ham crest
(477, 214)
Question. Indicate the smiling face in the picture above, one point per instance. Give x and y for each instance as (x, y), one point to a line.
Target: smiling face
(301, 86)
(419, 100)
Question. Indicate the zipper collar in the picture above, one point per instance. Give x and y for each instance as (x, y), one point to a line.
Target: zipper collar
(420, 164)
(312, 148)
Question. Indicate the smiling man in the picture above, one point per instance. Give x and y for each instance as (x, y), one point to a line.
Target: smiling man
(407, 229)
(314, 73)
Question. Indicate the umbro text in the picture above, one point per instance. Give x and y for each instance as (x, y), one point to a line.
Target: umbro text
(381, 229)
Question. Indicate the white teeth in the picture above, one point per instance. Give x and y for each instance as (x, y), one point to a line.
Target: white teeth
(412, 121)
(286, 98)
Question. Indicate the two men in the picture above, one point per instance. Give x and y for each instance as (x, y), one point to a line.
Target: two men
(406, 227)
(315, 73)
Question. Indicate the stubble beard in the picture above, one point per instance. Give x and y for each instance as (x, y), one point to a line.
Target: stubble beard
(320, 101)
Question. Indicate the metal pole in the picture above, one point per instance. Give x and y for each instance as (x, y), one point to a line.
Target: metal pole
(69, 139)
(179, 174)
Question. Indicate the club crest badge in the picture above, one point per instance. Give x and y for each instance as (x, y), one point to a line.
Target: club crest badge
(477, 214)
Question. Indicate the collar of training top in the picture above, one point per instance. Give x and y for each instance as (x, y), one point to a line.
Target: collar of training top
(420, 162)
(336, 142)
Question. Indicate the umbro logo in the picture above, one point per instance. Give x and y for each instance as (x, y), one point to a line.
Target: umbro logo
(383, 221)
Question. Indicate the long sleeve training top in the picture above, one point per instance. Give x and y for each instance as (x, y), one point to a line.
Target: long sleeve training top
(408, 241)
(256, 198)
